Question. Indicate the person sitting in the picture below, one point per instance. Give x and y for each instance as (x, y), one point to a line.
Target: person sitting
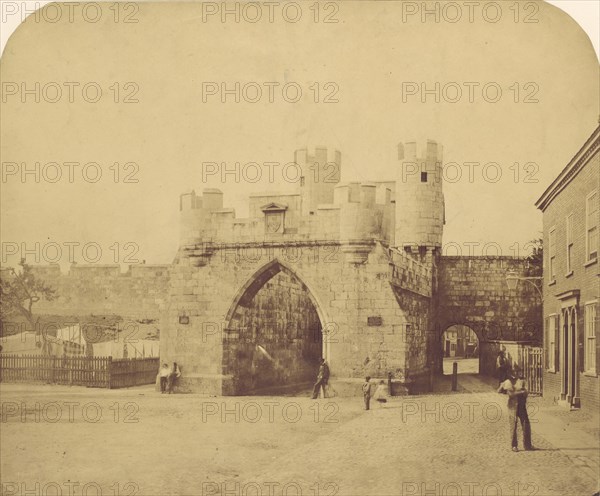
(174, 375)
(163, 375)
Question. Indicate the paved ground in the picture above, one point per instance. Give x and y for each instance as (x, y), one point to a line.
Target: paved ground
(465, 365)
(139, 442)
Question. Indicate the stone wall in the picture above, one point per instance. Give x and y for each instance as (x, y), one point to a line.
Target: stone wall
(473, 292)
(139, 293)
(363, 324)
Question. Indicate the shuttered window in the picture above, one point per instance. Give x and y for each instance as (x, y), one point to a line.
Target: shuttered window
(552, 256)
(551, 340)
(591, 322)
(569, 244)
(591, 226)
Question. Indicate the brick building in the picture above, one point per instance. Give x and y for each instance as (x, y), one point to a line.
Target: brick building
(571, 283)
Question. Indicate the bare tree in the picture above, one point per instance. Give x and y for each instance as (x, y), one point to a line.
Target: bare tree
(19, 290)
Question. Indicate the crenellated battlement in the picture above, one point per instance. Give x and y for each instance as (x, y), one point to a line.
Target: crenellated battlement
(84, 271)
(368, 194)
(356, 212)
(420, 214)
(210, 200)
(407, 272)
(321, 170)
(419, 151)
(404, 212)
(319, 154)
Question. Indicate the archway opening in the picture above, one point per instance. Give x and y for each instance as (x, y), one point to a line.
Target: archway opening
(460, 344)
(275, 335)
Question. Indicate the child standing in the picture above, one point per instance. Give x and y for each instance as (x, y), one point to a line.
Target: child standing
(367, 392)
(381, 393)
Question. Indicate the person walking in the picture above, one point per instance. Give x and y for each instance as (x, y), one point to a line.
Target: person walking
(516, 389)
(322, 379)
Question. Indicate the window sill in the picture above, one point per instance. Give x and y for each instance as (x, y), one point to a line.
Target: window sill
(568, 274)
(590, 262)
(590, 373)
(551, 371)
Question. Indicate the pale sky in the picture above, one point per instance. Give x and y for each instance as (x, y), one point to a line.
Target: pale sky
(368, 55)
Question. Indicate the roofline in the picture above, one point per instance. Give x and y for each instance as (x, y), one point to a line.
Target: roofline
(582, 157)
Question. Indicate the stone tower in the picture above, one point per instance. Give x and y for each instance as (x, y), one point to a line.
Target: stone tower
(419, 197)
(321, 171)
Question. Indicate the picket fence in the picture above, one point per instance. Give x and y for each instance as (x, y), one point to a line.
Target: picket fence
(101, 372)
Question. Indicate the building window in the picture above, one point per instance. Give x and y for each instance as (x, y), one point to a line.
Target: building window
(569, 244)
(591, 226)
(590, 337)
(552, 256)
(551, 330)
(423, 177)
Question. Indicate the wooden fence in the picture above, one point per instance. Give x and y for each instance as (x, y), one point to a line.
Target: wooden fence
(126, 372)
(102, 372)
(531, 360)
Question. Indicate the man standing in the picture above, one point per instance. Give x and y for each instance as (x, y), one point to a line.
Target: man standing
(501, 367)
(517, 409)
(322, 379)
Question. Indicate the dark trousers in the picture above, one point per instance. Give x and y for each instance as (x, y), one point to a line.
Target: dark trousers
(163, 384)
(514, 416)
(171, 383)
(321, 383)
(501, 375)
(367, 401)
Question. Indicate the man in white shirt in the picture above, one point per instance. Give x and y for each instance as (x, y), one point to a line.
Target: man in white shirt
(163, 374)
(517, 408)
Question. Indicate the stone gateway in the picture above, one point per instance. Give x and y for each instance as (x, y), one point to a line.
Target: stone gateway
(350, 272)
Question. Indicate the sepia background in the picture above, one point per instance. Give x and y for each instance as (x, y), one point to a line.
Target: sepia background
(367, 55)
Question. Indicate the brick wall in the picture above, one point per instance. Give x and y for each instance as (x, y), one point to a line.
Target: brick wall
(584, 277)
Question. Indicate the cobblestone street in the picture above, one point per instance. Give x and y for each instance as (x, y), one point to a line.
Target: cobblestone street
(439, 444)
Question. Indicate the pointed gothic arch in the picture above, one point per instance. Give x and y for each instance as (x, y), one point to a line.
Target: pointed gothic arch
(242, 349)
